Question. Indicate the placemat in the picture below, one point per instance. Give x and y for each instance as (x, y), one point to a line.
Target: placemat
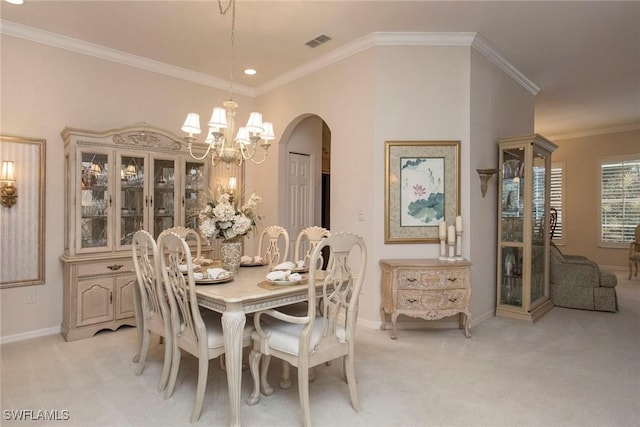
(270, 286)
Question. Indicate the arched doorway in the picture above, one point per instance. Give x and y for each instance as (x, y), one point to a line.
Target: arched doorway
(305, 178)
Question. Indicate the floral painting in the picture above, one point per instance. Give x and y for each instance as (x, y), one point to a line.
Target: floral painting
(421, 189)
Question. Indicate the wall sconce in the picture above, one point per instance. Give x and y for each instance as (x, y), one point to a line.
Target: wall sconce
(485, 176)
(231, 188)
(8, 179)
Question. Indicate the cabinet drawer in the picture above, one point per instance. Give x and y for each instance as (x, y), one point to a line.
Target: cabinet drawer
(432, 279)
(432, 300)
(106, 267)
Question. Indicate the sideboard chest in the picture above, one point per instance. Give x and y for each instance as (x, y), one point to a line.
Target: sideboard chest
(426, 288)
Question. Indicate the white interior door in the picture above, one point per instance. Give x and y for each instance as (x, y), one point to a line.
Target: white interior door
(300, 195)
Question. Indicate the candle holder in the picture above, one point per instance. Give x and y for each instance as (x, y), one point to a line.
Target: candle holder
(452, 252)
(459, 246)
(443, 250)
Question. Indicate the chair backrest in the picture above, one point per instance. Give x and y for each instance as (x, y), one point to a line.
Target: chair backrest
(187, 234)
(307, 241)
(553, 221)
(146, 262)
(274, 234)
(190, 331)
(340, 290)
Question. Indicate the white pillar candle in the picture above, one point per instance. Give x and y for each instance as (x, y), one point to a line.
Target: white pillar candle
(451, 236)
(458, 223)
(442, 230)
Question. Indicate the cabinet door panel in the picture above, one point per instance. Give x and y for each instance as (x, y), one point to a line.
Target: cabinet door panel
(94, 301)
(131, 197)
(125, 287)
(94, 201)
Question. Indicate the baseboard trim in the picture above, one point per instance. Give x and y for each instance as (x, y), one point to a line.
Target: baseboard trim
(31, 334)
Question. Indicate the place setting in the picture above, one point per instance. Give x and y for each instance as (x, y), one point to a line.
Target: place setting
(212, 276)
(278, 278)
(249, 261)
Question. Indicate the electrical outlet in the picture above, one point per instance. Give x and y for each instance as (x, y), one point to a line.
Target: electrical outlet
(361, 215)
(31, 296)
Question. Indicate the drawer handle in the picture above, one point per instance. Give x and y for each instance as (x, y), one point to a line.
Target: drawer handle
(452, 279)
(412, 300)
(411, 279)
(115, 267)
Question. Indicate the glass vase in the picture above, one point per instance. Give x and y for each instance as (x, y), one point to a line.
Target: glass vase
(230, 252)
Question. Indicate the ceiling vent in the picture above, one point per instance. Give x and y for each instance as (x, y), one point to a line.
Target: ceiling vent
(321, 39)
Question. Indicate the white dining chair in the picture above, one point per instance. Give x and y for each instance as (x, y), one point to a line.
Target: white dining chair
(198, 335)
(154, 309)
(306, 242)
(188, 234)
(313, 339)
(272, 240)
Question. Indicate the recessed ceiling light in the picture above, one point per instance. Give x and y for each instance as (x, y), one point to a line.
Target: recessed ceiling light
(15, 1)
(250, 72)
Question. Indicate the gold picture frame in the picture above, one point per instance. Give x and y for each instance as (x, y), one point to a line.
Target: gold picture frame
(22, 230)
(422, 187)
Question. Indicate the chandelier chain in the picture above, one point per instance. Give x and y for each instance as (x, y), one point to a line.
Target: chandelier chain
(223, 11)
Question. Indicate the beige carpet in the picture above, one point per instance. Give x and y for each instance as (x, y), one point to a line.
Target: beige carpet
(571, 368)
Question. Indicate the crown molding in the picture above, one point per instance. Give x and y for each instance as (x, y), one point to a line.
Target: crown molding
(630, 127)
(97, 51)
(371, 40)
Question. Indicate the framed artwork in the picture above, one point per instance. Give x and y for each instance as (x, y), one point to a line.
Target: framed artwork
(422, 186)
(22, 226)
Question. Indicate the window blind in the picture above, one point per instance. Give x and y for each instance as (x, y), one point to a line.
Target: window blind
(620, 199)
(556, 194)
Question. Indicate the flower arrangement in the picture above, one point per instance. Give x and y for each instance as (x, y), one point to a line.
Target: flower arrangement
(221, 220)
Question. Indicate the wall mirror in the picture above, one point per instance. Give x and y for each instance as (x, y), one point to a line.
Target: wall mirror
(22, 244)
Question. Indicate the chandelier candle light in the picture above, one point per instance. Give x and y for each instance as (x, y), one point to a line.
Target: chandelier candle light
(459, 238)
(220, 138)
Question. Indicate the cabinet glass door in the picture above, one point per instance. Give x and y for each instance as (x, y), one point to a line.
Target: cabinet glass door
(512, 226)
(131, 203)
(95, 201)
(164, 196)
(194, 193)
(539, 225)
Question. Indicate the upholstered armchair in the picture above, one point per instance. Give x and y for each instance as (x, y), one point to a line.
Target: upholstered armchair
(577, 282)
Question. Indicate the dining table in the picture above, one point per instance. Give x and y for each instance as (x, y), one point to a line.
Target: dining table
(248, 292)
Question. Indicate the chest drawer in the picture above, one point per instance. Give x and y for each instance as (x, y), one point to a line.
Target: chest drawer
(432, 279)
(436, 300)
(100, 268)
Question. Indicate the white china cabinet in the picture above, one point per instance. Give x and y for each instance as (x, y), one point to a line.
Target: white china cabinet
(523, 237)
(116, 183)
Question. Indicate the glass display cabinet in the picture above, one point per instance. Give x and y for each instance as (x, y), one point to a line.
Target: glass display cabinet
(523, 224)
(118, 182)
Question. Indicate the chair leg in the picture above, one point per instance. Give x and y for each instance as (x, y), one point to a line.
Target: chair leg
(267, 390)
(164, 378)
(144, 349)
(203, 370)
(303, 391)
(285, 379)
(351, 380)
(173, 375)
(254, 363)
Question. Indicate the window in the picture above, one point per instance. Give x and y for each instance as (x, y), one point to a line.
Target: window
(556, 193)
(619, 199)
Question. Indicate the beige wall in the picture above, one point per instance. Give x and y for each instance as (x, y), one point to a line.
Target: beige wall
(45, 89)
(500, 107)
(582, 161)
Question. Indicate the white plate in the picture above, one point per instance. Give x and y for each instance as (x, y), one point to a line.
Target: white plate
(214, 281)
(254, 264)
(288, 282)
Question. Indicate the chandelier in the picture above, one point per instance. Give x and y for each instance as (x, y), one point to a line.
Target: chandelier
(220, 140)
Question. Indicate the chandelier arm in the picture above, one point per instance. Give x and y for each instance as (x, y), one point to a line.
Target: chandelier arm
(189, 143)
(254, 152)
